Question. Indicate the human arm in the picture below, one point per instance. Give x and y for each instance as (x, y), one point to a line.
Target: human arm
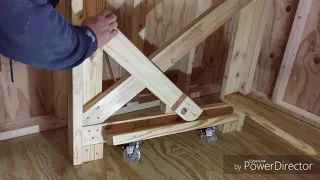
(32, 32)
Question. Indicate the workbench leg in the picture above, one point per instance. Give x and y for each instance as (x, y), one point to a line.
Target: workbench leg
(92, 152)
(245, 47)
(233, 126)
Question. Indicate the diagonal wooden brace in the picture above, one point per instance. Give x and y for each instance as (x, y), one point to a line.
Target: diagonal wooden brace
(107, 103)
(139, 66)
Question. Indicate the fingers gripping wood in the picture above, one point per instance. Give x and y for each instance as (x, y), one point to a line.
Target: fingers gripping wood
(140, 67)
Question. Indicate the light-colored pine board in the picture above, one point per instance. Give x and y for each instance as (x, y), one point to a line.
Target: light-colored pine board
(137, 107)
(60, 91)
(30, 95)
(206, 103)
(254, 45)
(285, 108)
(291, 49)
(210, 55)
(111, 100)
(30, 126)
(147, 119)
(239, 42)
(92, 76)
(168, 130)
(129, 57)
(240, 123)
(303, 90)
(240, 66)
(164, 20)
(75, 97)
(292, 130)
(281, 15)
(92, 152)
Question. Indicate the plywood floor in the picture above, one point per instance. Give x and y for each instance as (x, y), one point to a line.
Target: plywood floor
(182, 156)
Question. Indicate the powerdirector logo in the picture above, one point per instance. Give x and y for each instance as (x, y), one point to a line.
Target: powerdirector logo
(233, 164)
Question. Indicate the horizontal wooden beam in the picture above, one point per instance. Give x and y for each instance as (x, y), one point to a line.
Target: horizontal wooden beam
(108, 102)
(169, 129)
(147, 118)
(123, 51)
(30, 126)
(292, 130)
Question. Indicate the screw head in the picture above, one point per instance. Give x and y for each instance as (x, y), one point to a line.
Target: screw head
(184, 111)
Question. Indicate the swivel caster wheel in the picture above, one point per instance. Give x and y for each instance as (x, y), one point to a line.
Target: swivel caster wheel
(131, 153)
(208, 136)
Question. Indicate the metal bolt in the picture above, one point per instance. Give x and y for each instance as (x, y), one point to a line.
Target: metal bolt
(184, 111)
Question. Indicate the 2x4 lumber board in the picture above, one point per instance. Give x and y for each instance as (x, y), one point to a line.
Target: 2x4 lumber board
(75, 114)
(30, 126)
(254, 45)
(240, 123)
(138, 107)
(146, 118)
(92, 77)
(75, 97)
(263, 98)
(153, 113)
(297, 133)
(169, 129)
(138, 65)
(245, 48)
(127, 88)
(291, 49)
(92, 152)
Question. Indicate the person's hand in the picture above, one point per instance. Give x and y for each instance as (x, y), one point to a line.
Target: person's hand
(104, 25)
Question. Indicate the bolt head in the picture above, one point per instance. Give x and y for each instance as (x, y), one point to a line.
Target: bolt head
(184, 111)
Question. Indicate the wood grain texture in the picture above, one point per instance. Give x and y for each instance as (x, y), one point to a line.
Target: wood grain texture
(128, 125)
(181, 156)
(60, 78)
(164, 58)
(276, 34)
(60, 92)
(174, 128)
(292, 48)
(211, 55)
(30, 126)
(303, 89)
(75, 97)
(238, 49)
(294, 131)
(261, 97)
(30, 95)
(129, 57)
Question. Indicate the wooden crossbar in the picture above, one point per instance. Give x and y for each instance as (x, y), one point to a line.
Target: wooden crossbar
(136, 63)
(138, 122)
(108, 102)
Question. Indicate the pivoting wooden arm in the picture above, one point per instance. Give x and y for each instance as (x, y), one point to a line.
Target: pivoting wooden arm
(108, 102)
(140, 67)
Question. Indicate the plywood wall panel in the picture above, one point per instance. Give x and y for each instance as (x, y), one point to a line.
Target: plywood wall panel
(278, 28)
(30, 95)
(303, 88)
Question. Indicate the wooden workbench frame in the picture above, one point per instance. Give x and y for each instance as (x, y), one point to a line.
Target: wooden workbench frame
(86, 138)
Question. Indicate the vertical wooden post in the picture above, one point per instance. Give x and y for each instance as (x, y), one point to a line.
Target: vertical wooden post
(92, 78)
(243, 55)
(85, 83)
(245, 48)
(75, 97)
